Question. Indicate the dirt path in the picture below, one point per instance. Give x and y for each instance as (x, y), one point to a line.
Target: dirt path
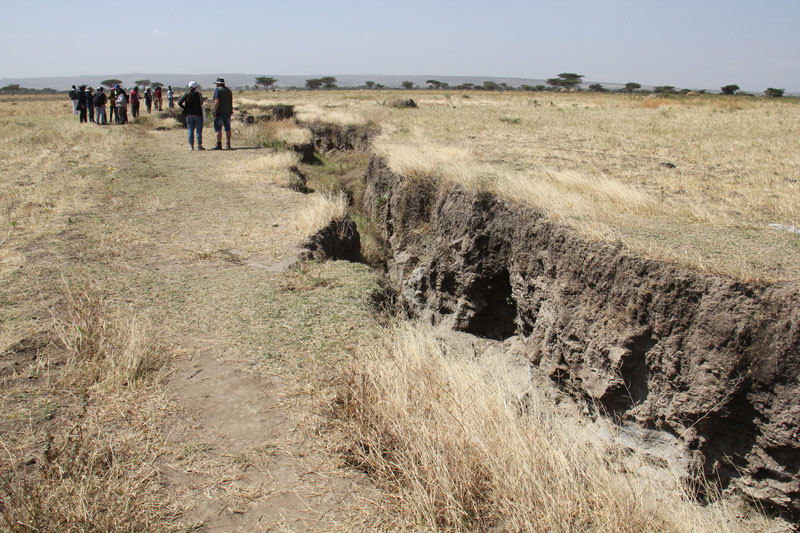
(210, 236)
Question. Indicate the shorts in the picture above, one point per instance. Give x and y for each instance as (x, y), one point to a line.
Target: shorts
(221, 120)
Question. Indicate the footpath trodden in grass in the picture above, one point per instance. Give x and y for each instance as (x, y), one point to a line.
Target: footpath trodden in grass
(121, 246)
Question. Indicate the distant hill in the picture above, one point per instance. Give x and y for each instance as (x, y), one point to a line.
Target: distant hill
(240, 80)
(63, 83)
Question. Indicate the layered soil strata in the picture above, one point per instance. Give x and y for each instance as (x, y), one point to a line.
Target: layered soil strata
(328, 137)
(711, 361)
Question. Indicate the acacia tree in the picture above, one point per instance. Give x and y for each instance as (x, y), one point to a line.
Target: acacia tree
(490, 86)
(144, 83)
(328, 82)
(567, 80)
(664, 89)
(596, 88)
(632, 86)
(729, 89)
(156, 84)
(265, 81)
(774, 93)
(313, 84)
(435, 84)
(370, 84)
(110, 83)
(12, 88)
(407, 84)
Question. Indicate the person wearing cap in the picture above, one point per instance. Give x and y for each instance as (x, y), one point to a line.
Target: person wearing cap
(191, 104)
(223, 109)
(100, 106)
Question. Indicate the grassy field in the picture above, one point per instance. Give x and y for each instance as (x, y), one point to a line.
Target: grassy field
(125, 259)
(594, 161)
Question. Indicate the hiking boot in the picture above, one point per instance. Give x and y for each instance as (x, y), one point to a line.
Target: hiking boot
(218, 146)
(200, 148)
(229, 146)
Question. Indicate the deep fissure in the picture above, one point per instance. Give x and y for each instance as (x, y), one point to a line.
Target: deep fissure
(496, 271)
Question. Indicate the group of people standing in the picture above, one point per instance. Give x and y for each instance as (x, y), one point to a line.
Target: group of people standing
(90, 105)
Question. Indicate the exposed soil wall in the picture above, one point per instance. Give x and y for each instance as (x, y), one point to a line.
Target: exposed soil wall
(339, 138)
(712, 361)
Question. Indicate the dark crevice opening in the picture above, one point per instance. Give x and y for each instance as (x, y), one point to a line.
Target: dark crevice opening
(496, 310)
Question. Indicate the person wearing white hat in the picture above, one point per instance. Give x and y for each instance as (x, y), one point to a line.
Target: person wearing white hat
(191, 104)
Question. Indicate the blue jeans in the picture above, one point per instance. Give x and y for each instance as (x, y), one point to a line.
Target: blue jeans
(195, 123)
(100, 113)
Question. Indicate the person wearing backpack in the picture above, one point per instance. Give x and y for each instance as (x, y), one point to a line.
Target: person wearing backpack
(73, 95)
(191, 104)
(100, 106)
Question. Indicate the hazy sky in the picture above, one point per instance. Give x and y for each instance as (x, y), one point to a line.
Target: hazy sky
(691, 44)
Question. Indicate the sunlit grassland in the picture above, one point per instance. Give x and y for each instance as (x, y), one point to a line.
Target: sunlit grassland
(594, 161)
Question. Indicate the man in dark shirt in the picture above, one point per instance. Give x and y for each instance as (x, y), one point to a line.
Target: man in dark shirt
(223, 109)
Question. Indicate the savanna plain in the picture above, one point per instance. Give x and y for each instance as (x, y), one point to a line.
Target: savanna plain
(169, 365)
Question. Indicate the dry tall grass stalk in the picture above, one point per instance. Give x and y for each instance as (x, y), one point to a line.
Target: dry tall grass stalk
(339, 113)
(94, 477)
(436, 162)
(94, 471)
(323, 209)
(459, 449)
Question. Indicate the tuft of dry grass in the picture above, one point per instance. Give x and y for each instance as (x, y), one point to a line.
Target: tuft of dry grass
(104, 349)
(323, 209)
(272, 134)
(94, 470)
(460, 447)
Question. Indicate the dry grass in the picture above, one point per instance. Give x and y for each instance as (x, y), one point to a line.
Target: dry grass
(459, 447)
(272, 167)
(81, 371)
(275, 134)
(593, 161)
(105, 349)
(95, 470)
(323, 209)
